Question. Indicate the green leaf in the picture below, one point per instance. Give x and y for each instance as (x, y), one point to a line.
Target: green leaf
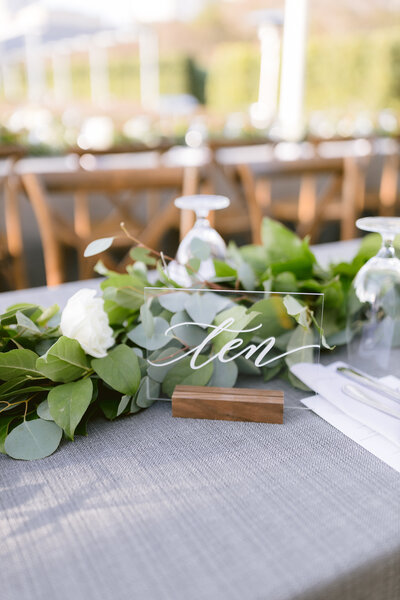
(158, 373)
(43, 411)
(300, 337)
(172, 301)
(246, 366)
(112, 403)
(246, 276)
(285, 282)
(191, 335)
(147, 392)
(98, 246)
(147, 320)
(26, 323)
(286, 251)
(5, 423)
(297, 310)
(48, 314)
(65, 361)
(143, 255)
(9, 317)
(193, 265)
(158, 340)
(222, 269)
(273, 317)
(270, 373)
(183, 374)
(255, 256)
(241, 320)
(224, 374)
(125, 297)
(68, 404)
(119, 369)
(16, 363)
(200, 249)
(33, 439)
(202, 308)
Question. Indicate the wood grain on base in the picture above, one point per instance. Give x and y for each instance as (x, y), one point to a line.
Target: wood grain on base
(228, 404)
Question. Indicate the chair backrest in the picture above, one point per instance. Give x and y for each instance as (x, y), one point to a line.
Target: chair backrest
(324, 185)
(141, 198)
(12, 259)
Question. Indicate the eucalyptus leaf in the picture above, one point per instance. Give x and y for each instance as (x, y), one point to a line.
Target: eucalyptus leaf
(300, 337)
(224, 374)
(193, 265)
(16, 363)
(242, 319)
(26, 323)
(148, 391)
(68, 404)
(190, 334)
(43, 411)
(147, 320)
(202, 308)
(158, 371)
(48, 314)
(122, 406)
(9, 317)
(32, 440)
(143, 255)
(119, 369)
(200, 249)
(65, 361)
(173, 301)
(98, 246)
(246, 366)
(183, 374)
(247, 276)
(159, 339)
(5, 422)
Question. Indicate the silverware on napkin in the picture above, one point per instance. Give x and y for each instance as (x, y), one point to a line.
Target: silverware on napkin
(369, 382)
(360, 394)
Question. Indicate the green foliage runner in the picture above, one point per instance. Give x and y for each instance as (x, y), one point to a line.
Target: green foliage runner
(50, 388)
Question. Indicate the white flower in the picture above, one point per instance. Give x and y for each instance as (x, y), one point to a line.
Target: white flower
(85, 320)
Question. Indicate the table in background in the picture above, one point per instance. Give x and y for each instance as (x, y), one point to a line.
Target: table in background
(150, 507)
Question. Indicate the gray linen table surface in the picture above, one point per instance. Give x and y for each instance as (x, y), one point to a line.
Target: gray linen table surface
(155, 508)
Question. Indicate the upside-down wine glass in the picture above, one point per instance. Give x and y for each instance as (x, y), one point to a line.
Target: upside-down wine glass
(201, 204)
(373, 320)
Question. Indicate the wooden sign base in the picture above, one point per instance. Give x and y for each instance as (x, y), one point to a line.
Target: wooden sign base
(228, 404)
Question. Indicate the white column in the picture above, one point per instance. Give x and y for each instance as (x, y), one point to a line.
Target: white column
(61, 63)
(149, 74)
(10, 81)
(35, 69)
(99, 84)
(293, 69)
(266, 106)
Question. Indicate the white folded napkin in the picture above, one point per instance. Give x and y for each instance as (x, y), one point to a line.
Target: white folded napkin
(376, 431)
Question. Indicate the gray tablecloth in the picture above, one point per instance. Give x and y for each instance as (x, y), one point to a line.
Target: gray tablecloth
(155, 508)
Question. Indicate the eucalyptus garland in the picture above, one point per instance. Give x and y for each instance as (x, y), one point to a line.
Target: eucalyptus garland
(59, 371)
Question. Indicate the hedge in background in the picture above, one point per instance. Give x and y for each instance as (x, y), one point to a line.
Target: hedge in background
(347, 72)
(233, 76)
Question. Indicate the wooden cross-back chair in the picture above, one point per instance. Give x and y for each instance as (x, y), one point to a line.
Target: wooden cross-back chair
(12, 259)
(339, 199)
(125, 190)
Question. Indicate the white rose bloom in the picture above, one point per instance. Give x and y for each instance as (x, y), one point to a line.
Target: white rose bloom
(85, 320)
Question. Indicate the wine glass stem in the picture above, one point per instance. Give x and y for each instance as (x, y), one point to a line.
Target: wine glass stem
(387, 248)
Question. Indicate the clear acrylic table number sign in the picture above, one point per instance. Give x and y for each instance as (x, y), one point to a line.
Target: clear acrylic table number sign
(228, 339)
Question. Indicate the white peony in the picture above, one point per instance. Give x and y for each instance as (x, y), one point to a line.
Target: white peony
(85, 320)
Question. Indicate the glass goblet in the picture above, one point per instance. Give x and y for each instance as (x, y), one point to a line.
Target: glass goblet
(373, 319)
(201, 204)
